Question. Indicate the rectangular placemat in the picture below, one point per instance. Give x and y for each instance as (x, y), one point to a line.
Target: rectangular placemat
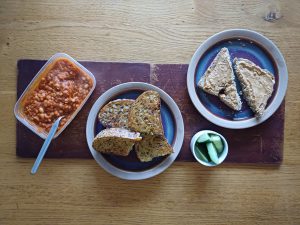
(260, 144)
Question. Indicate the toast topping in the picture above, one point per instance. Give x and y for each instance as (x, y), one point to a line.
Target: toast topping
(218, 80)
(257, 84)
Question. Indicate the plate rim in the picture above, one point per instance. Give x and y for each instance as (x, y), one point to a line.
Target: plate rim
(263, 41)
(132, 175)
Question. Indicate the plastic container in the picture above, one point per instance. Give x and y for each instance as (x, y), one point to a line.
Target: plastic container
(18, 110)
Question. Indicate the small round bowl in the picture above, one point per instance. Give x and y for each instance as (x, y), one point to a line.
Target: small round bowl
(222, 156)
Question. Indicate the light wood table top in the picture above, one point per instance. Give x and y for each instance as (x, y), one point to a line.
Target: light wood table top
(79, 191)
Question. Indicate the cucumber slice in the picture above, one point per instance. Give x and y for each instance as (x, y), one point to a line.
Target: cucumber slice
(203, 149)
(218, 143)
(200, 155)
(203, 138)
(212, 152)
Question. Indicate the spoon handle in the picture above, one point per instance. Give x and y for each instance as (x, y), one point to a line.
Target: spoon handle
(45, 146)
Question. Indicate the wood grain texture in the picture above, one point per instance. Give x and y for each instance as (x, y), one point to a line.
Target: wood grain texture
(78, 191)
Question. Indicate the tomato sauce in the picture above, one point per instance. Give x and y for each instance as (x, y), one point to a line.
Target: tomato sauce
(59, 92)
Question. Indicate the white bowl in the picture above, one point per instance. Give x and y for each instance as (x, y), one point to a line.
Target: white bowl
(222, 156)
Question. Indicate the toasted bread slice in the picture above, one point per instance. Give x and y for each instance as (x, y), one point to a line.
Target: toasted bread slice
(144, 116)
(117, 141)
(218, 80)
(257, 84)
(115, 113)
(151, 147)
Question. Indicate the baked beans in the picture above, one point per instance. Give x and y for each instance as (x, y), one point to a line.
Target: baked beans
(59, 92)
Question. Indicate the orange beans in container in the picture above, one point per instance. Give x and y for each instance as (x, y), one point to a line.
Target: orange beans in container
(60, 88)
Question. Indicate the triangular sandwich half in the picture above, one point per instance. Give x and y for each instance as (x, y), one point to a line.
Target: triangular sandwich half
(218, 80)
(257, 84)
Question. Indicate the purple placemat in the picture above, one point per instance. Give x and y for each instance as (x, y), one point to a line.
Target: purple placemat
(260, 144)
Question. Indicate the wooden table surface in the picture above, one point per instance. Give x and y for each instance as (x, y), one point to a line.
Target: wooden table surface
(79, 191)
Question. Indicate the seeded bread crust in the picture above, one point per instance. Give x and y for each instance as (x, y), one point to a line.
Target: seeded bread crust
(151, 147)
(257, 84)
(115, 113)
(144, 116)
(218, 80)
(117, 141)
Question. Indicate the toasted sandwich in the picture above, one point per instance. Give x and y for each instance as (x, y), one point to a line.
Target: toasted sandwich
(257, 84)
(218, 80)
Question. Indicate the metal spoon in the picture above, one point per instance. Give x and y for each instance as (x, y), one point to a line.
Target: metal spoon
(45, 146)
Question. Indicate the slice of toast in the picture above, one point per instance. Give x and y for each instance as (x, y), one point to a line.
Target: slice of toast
(257, 84)
(117, 141)
(144, 116)
(218, 80)
(115, 113)
(151, 147)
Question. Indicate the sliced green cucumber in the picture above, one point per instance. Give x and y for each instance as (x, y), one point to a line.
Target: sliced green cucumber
(218, 143)
(212, 152)
(200, 155)
(203, 149)
(203, 138)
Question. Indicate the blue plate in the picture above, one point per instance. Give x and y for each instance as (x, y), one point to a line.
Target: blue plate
(240, 48)
(241, 44)
(131, 162)
(129, 167)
